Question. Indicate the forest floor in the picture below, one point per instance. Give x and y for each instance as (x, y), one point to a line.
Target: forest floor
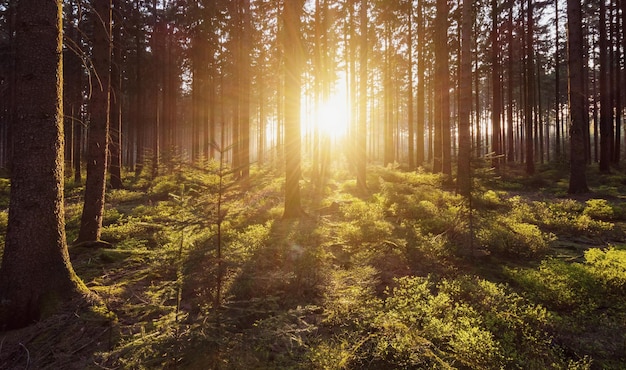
(407, 276)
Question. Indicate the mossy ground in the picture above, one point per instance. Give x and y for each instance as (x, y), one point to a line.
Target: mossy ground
(406, 276)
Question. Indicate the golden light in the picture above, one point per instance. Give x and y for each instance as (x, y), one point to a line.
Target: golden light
(331, 117)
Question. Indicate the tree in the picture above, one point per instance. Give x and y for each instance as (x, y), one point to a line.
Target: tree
(98, 140)
(496, 106)
(115, 146)
(36, 276)
(606, 113)
(442, 155)
(411, 132)
(577, 98)
(529, 90)
(465, 102)
(421, 84)
(361, 134)
(292, 44)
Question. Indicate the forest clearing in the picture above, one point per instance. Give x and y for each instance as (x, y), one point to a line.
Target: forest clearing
(401, 277)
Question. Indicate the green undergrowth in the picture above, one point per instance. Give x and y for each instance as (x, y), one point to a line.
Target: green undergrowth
(408, 275)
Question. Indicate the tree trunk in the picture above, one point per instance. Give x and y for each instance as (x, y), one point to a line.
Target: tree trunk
(36, 276)
(244, 92)
(441, 104)
(293, 60)
(557, 82)
(509, 112)
(388, 91)
(421, 85)
(529, 90)
(93, 207)
(606, 124)
(411, 123)
(577, 99)
(115, 146)
(496, 114)
(361, 147)
(139, 123)
(464, 180)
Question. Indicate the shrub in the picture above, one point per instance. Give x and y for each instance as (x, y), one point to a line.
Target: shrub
(609, 267)
(599, 209)
(466, 322)
(510, 237)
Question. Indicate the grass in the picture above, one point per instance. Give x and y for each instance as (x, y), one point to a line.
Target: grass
(406, 276)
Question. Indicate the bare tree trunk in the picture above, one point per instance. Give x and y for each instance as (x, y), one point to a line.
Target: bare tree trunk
(98, 141)
(464, 181)
(557, 82)
(496, 114)
(361, 147)
(421, 85)
(577, 99)
(529, 101)
(293, 60)
(606, 124)
(442, 99)
(246, 47)
(411, 123)
(115, 146)
(36, 276)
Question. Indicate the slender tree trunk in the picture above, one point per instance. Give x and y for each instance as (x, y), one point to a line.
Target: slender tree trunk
(158, 44)
(293, 60)
(115, 146)
(464, 180)
(477, 93)
(411, 123)
(510, 74)
(557, 82)
(361, 148)
(606, 123)
(262, 117)
(388, 92)
(441, 104)
(496, 113)
(577, 98)
(421, 85)
(617, 87)
(98, 141)
(140, 98)
(529, 89)
(246, 47)
(36, 276)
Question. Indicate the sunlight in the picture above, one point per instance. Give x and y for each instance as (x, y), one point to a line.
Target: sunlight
(332, 117)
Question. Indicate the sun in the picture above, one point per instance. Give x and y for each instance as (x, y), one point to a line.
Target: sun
(332, 117)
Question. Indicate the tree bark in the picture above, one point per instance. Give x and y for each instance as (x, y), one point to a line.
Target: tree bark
(529, 91)
(115, 146)
(441, 109)
(606, 124)
(577, 99)
(292, 44)
(421, 85)
(361, 147)
(36, 276)
(496, 114)
(98, 141)
(411, 123)
(464, 179)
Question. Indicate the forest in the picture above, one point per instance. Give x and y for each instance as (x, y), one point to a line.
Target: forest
(312, 184)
